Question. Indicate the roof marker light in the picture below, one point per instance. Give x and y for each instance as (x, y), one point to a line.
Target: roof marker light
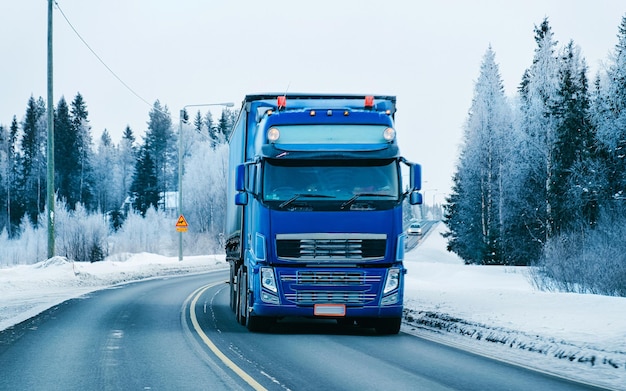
(369, 101)
(312, 113)
(282, 102)
(273, 135)
(329, 113)
(346, 113)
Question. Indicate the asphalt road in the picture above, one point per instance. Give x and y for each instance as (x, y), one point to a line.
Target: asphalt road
(179, 334)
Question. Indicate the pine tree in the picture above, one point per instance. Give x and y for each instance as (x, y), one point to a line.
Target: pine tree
(211, 129)
(66, 163)
(32, 177)
(128, 157)
(106, 172)
(198, 122)
(144, 188)
(612, 130)
(225, 125)
(479, 177)
(4, 170)
(13, 160)
(84, 151)
(538, 93)
(160, 143)
(573, 201)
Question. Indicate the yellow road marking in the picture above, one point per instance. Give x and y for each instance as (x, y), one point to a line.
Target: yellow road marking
(207, 341)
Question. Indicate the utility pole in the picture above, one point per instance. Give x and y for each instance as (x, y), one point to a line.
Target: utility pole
(50, 147)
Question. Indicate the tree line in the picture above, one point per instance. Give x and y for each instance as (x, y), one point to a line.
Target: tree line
(541, 176)
(102, 177)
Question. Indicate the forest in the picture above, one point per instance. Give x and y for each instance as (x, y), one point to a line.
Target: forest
(541, 176)
(110, 199)
(540, 179)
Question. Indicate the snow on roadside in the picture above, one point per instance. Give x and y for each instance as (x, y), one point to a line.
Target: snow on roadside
(28, 290)
(496, 311)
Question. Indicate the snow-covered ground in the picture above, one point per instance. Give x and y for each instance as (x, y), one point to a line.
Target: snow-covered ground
(496, 311)
(487, 309)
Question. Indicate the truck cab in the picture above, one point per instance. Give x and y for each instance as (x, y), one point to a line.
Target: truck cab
(315, 222)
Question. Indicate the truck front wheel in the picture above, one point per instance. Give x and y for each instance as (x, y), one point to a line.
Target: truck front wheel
(388, 326)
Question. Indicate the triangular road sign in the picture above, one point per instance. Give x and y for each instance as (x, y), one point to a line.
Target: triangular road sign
(182, 223)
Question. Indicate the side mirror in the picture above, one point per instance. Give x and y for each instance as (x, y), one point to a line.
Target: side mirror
(242, 199)
(240, 178)
(415, 198)
(416, 178)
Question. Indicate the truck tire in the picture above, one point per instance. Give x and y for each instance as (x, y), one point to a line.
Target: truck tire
(233, 289)
(242, 290)
(259, 323)
(388, 326)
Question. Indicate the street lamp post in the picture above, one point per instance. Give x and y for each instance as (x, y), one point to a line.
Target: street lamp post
(180, 165)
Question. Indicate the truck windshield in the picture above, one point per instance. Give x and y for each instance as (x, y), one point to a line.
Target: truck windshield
(336, 184)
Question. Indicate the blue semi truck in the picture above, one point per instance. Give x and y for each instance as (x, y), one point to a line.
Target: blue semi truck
(314, 224)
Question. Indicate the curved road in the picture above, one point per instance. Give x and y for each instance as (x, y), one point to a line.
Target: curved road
(179, 334)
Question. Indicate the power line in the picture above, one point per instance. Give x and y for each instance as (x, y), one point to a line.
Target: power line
(102, 61)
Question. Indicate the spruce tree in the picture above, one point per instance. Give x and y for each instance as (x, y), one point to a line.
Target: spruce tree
(479, 177)
(128, 158)
(84, 151)
(32, 178)
(613, 132)
(13, 206)
(4, 168)
(66, 163)
(144, 189)
(538, 93)
(160, 142)
(573, 201)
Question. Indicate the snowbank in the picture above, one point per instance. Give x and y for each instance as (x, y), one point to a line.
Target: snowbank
(495, 310)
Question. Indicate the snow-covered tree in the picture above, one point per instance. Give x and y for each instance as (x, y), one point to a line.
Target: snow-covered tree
(160, 143)
(84, 151)
(127, 159)
(574, 192)
(479, 202)
(32, 176)
(106, 168)
(611, 121)
(144, 189)
(538, 93)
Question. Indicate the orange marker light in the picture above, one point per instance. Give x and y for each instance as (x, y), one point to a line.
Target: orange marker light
(369, 102)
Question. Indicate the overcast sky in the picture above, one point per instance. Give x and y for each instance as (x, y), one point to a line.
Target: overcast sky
(427, 53)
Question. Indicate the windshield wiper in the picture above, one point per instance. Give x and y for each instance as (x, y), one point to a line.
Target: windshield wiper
(356, 196)
(296, 196)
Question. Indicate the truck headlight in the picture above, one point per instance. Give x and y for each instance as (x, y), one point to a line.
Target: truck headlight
(268, 281)
(393, 280)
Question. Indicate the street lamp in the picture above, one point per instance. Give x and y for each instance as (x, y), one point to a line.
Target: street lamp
(180, 166)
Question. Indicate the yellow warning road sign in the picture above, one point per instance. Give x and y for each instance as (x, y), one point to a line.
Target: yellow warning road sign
(181, 224)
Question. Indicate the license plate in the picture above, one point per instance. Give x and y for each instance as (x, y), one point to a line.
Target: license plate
(329, 310)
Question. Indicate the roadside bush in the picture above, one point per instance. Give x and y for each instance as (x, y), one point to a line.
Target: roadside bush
(586, 261)
(80, 236)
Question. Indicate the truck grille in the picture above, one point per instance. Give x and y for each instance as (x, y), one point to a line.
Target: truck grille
(313, 297)
(331, 247)
(307, 287)
(315, 277)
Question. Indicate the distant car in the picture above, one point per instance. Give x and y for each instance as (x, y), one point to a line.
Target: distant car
(414, 229)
